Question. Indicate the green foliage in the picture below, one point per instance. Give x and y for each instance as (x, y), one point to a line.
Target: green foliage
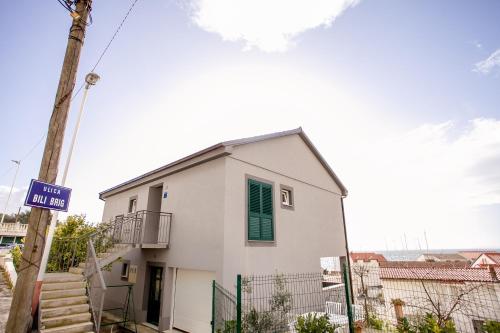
(229, 327)
(257, 322)
(22, 217)
(16, 253)
(70, 243)
(314, 324)
(426, 324)
(276, 319)
(491, 326)
(375, 322)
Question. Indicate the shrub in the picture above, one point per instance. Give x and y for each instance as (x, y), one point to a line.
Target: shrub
(314, 324)
(426, 324)
(375, 322)
(16, 253)
(491, 326)
(257, 322)
(229, 327)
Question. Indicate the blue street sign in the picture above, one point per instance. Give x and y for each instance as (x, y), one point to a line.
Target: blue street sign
(49, 196)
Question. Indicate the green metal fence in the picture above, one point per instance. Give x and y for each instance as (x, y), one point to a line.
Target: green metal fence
(224, 316)
(280, 303)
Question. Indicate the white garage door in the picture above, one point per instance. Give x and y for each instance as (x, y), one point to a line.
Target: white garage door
(193, 301)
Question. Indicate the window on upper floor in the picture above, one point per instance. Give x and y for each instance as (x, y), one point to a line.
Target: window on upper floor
(260, 211)
(286, 195)
(132, 205)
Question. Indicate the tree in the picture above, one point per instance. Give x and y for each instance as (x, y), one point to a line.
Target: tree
(69, 246)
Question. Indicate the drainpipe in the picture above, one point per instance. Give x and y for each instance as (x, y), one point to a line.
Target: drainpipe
(346, 246)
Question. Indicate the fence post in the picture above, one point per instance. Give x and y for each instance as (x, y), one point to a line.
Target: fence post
(347, 286)
(213, 306)
(238, 303)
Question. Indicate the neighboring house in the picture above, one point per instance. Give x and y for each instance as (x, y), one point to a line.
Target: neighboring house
(258, 205)
(365, 276)
(471, 295)
(366, 257)
(12, 232)
(487, 259)
(471, 256)
(437, 257)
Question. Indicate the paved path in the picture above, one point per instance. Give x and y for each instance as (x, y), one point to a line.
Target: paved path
(5, 299)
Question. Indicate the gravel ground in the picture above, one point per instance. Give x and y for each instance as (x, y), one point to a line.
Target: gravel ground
(5, 299)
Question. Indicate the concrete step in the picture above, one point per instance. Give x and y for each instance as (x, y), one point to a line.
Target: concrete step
(64, 310)
(51, 294)
(76, 270)
(62, 285)
(65, 320)
(67, 301)
(75, 328)
(62, 277)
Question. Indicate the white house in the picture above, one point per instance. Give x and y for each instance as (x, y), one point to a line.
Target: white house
(487, 259)
(257, 205)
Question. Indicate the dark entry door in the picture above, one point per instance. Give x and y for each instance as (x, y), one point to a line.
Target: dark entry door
(154, 299)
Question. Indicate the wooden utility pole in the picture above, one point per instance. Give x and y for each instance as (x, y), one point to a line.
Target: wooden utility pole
(20, 318)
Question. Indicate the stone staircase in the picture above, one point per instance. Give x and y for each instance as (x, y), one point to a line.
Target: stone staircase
(64, 304)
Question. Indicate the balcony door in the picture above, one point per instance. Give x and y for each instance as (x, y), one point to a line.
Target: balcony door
(153, 215)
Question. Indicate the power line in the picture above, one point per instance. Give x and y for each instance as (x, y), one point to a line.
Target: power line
(67, 5)
(114, 35)
(108, 45)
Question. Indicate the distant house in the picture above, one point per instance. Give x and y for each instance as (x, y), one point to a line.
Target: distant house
(487, 259)
(437, 257)
(366, 257)
(471, 256)
(257, 205)
(471, 295)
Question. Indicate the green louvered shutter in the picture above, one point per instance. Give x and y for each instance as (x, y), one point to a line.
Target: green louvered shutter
(266, 216)
(260, 211)
(254, 208)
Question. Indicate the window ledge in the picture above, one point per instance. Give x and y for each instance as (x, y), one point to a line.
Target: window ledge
(263, 243)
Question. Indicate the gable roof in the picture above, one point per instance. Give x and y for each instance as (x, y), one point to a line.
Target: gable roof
(367, 256)
(438, 274)
(225, 146)
(446, 256)
(493, 256)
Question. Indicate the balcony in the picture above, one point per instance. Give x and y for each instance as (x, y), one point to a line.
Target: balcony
(13, 229)
(144, 229)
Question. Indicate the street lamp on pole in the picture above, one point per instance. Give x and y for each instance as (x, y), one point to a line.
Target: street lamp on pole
(18, 163)
(90, 80)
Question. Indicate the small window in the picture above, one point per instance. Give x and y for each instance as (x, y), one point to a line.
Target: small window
(286, 197)
(132, 205)
(124, 273)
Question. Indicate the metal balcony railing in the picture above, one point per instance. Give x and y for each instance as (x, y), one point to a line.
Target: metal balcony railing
(145, 229)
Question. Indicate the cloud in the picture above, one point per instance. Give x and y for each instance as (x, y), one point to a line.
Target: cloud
(268, 25)
(436, 177)
(487, 65)
(16, 198)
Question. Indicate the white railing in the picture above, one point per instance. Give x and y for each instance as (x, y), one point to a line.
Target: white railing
(14, 229)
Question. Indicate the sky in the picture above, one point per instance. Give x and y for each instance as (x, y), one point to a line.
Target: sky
(400, 97)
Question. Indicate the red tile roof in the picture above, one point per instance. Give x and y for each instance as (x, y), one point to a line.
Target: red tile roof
(367, 256)
(425, 264)
(495, 256)
(440, 274)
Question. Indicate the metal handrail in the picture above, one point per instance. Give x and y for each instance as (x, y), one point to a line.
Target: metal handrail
(96, 287)
(67, 252)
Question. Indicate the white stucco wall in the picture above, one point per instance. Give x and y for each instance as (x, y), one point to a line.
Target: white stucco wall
(314, 229)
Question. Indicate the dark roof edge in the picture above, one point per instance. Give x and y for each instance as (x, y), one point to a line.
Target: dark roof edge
(238, 142)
